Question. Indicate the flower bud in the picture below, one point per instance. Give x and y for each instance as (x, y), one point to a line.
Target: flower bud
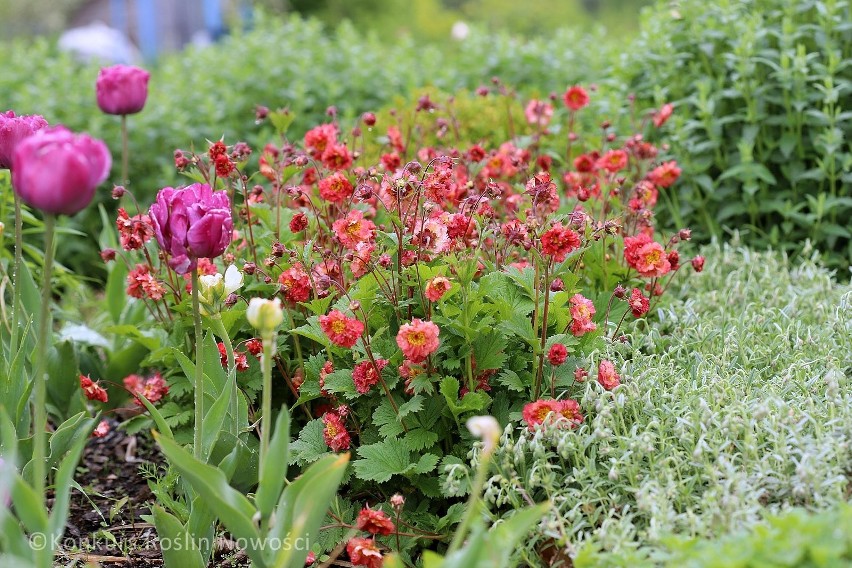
(488, 429)
(108, 254)
(265, 315)
(249, 268)
(118, 192)
(122, 89)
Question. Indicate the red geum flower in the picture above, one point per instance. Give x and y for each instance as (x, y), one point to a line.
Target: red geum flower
(436, 288)
(363, 552)
(142, 284)
(559, 241)
(299, 222)
(698, 263)
(639, 304)
(580, 374)
(295, 284)
(374, 521)
(674, 259)
(570, 410)
(354, 229)
(582, 310)
(536, 413)
(607, 376)
(254, 346)
(557, 354)
(318, 138)
(335, 188)
(341, 330)
(152, 388)
(311, 558)
(665, 174)
(334, 432)
(365, 374)
(575, 98)
(538, 113)
(662, 115)
(613, 161)
(646, 256)
(92, 389)
(133, 232)
(418, 340)
(101, 430)
(337, 157)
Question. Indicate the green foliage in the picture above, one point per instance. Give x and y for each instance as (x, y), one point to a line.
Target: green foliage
(724, 418)
(762, 93)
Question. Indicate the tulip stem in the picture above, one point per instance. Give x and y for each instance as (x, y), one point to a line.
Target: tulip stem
(473, 503)
(124, 151)
(199, 369)
(219, 329)
(16, 288)
(266, 396)
(40, 376)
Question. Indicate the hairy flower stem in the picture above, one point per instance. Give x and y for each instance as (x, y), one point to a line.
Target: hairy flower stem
(296, 343)
(266, 396)
(199, 369)
(473, 503)
(16, 289)
(539, 376)
(219, 329)
(124, 151)
(40, 374)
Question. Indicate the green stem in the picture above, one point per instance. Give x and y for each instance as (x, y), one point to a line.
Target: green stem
(40, 376)
(124, 151)
(266, 396)
(16, 289)
(472, 508)
(199, 369)
(296, 342)
(219, 329)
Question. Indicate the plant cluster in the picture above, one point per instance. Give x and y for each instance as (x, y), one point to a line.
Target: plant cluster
(724, 419)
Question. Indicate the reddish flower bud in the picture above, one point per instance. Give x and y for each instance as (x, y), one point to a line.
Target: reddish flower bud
(108, 254)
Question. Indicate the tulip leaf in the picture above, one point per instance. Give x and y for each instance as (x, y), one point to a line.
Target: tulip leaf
(274, 471)
(28, 506)
(182, 550)
(213, 420)
(64, 479)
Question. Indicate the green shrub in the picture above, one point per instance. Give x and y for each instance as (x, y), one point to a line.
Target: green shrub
(725, 417)
(762, 90)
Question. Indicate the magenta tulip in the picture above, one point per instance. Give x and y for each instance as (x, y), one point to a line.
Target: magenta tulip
(13, 129)
(58, 171)
(190, 223)
(122, 89)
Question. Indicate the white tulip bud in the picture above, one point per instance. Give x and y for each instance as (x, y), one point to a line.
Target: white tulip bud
(265, 315)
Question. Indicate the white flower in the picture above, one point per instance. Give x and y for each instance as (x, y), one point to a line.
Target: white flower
(233, 280)
(265, 315)
(460, 31)
(214, 289)
(487, 428)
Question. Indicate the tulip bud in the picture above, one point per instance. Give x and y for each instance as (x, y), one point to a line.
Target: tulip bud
(122, 89)
(488, 429)
(265, 315)
(215, 289)
(13, 130)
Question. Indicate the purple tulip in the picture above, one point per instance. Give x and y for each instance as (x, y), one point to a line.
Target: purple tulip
(58, 171)
(13, 129)
(190, 223)
(122, 89)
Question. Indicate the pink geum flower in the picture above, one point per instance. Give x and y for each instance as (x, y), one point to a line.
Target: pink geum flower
(13, 130)
(613, 161)
(190, 223)
(665, 174)
(559, 241)
(639, 303)
(607, 376)
(570, 410)
(334, 432)
(57, 171)
(582, 310)
(354, 229)
(240, 359)
(295, 284)
(436, 288)
(92, 389)
(662, 115)
(418, 340)
(153, 388)
(122, 89)
(646, 256)
(698, 263)
(557, 354)
(545, 411)
(133, 232)
(365, 374)
(374, 521)
(142, 284)
(364, 552)
(538, 113)
(341, 330)
(575, 98)
(335, 188)
(101, 430)
(337, 157)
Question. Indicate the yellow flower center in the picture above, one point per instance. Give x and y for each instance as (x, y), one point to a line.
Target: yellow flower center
(339, 326)
(416, 338)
